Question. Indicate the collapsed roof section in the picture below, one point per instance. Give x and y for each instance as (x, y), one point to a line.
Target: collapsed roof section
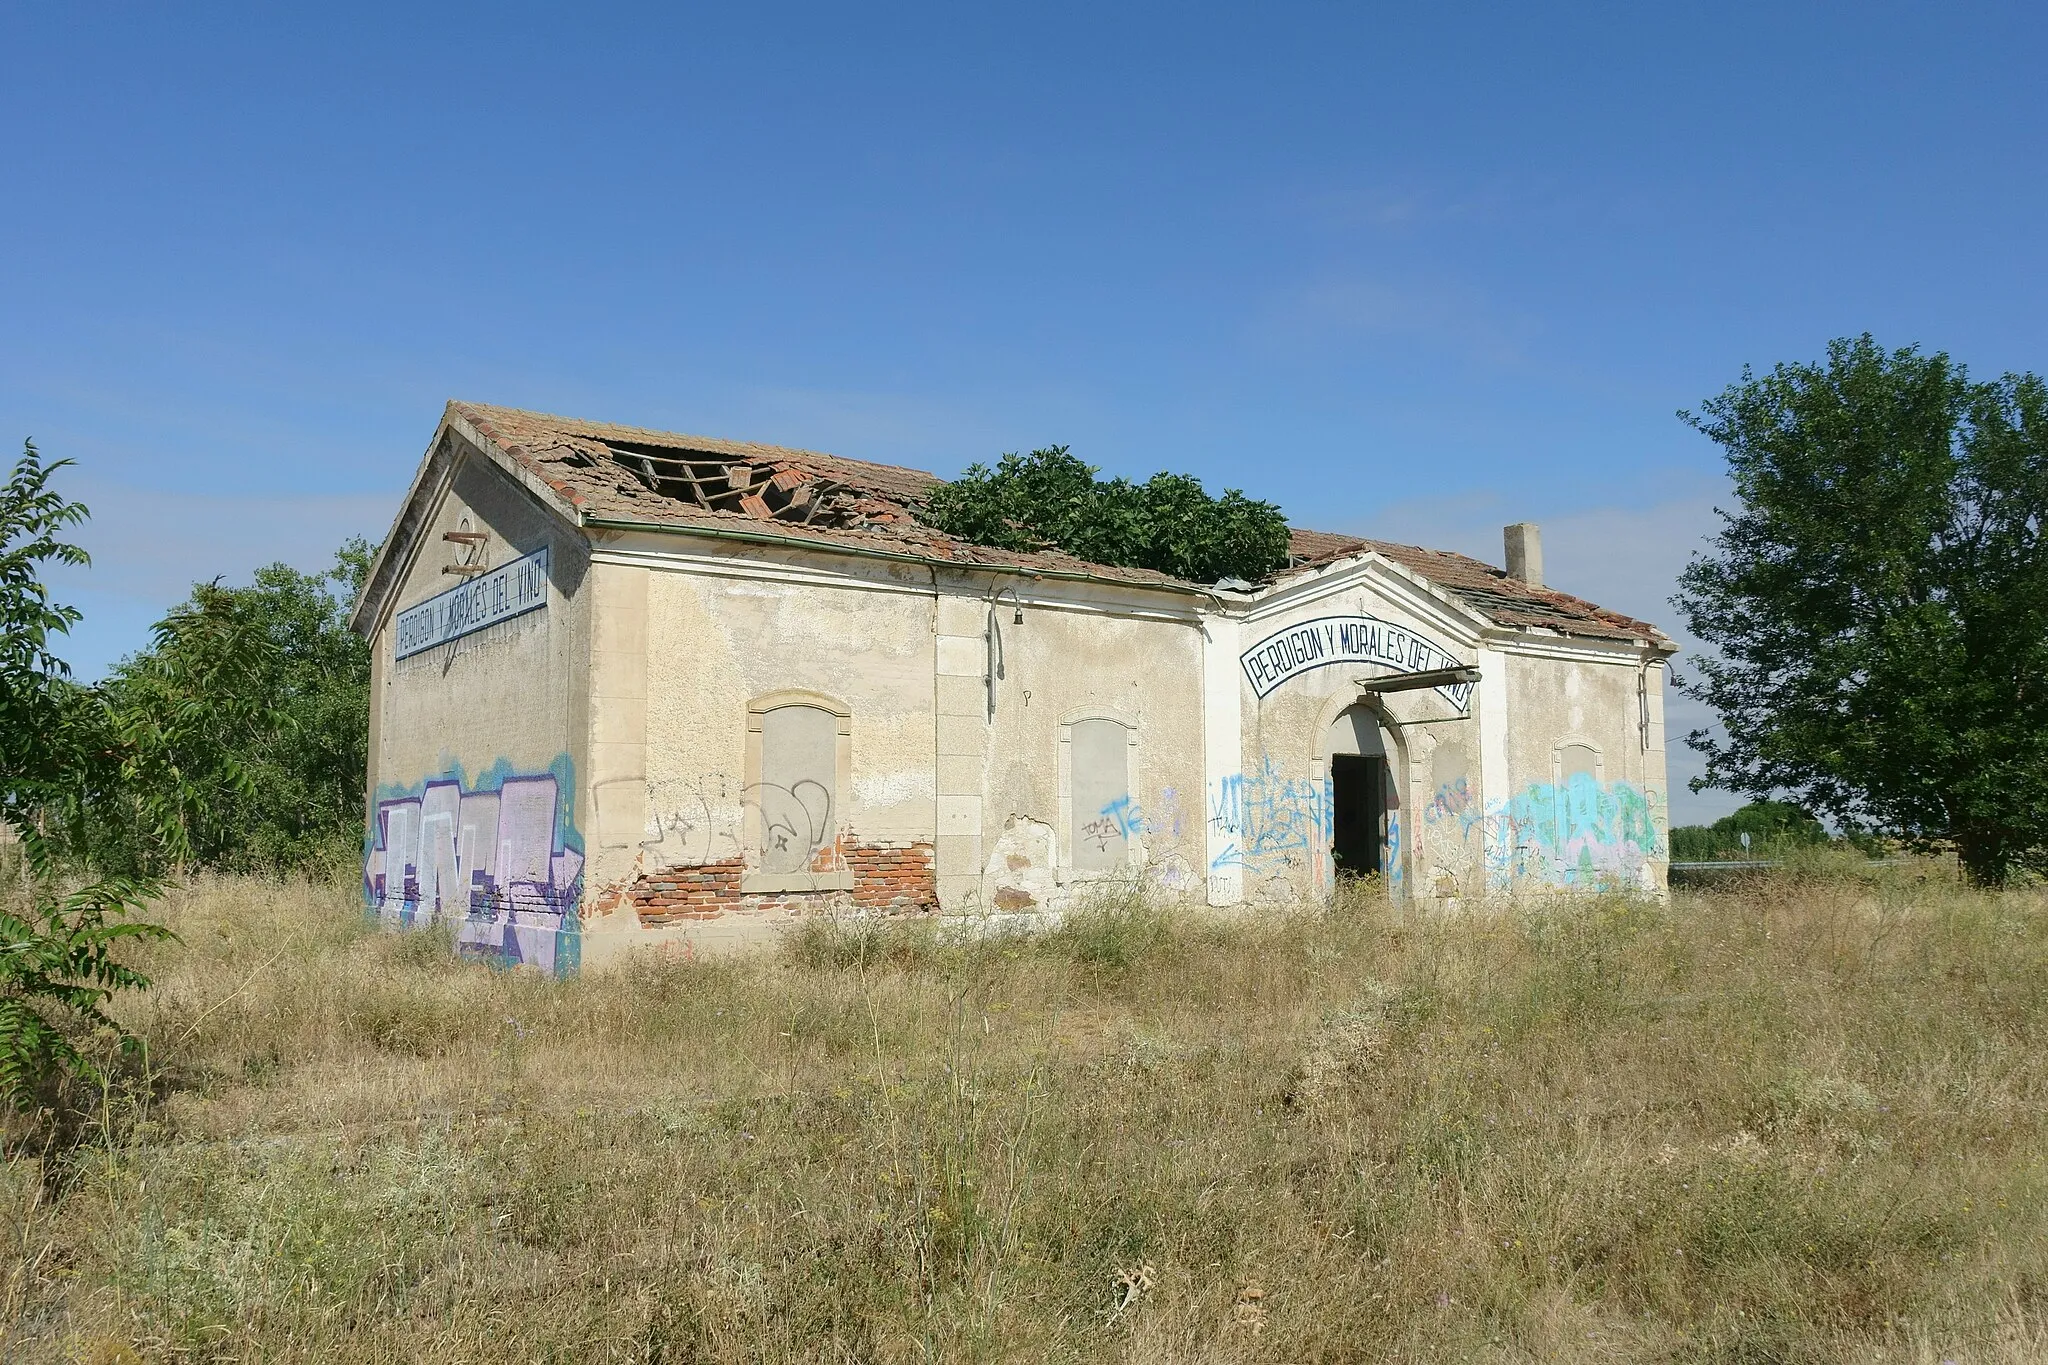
(631, 475)
(769, 491)
(628, 475)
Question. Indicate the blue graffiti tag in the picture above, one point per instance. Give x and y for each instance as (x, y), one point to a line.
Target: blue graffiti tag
(1268, 819)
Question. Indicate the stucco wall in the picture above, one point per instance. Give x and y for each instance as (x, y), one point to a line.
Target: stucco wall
(476, 743)
(1485, 803)
(941, 800)
(1277, 808)
(1070, 661)
(679, 836)
(1606, 828)
(605, 753)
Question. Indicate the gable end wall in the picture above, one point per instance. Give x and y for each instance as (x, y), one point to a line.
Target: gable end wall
(479, 745)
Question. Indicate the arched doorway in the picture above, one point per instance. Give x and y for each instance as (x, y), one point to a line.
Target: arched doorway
(1363, 794)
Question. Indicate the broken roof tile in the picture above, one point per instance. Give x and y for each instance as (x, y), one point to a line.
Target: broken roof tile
(703, 480)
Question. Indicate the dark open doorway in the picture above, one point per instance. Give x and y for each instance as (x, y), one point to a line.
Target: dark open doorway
(1358, 801)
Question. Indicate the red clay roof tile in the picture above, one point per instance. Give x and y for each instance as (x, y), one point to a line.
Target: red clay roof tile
(592, 465)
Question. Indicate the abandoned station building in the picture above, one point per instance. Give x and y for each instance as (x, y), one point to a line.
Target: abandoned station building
(633, 687)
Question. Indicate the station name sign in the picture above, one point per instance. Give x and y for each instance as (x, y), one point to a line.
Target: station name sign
(511, 590)
(1309, 645)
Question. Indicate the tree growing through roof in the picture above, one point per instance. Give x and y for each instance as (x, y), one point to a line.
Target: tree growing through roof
(1050, 499)
(1878, 600)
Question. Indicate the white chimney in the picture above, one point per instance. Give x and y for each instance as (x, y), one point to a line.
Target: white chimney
(1525, 552)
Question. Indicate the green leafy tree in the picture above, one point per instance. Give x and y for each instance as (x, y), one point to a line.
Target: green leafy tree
(1049, 499)
(42, 745)
(58, 749)
(1773, 827)
(1878, 601)
(248, 717)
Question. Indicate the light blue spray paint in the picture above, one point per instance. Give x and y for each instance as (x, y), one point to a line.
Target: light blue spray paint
(1123, 815)
(497, 857)
(1454, 801)
(1393, 854)
(1577, 833)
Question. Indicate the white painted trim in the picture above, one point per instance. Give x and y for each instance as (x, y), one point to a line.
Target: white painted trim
(1222, 749)
(753, 881)
(432, 483)
(1400, 758)
(370, 609)
(1577, 738)
(433, 499)
(1080, 713)
(1574, 648)
(1492, 711)
(779, 571)
(1657, 776)
(726, 566)
(1397, 585)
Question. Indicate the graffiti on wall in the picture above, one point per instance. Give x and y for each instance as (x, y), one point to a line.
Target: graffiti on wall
(1270, 823)
(1123, 817)
(1158, 831)
(1391, 860)
(702, 819)
(1453, 820)
(497, 858)
(1576, 833)
(1120, 819)
(1579, 833)
(692, 821)
(796, 825)
(1453, 804)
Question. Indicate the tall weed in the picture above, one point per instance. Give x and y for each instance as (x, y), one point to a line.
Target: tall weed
(1790, 1121)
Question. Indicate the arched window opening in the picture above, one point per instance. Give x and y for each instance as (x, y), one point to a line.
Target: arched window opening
(799, 761)
(1575, 761)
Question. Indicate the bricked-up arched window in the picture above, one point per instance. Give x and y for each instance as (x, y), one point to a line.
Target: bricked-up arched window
(795, 793)
(799, 752)
(1098, 782)
(1577, 760)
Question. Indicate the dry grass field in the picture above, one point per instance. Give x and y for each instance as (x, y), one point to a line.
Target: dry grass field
(1799, 1120)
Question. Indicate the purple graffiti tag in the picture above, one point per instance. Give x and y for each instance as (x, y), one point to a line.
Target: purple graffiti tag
(494, 863)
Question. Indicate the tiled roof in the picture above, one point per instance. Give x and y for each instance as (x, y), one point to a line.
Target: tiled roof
(592, 466)
(1505, 601)
(629, 474)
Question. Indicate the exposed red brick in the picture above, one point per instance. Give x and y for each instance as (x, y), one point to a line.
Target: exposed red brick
(895, 878)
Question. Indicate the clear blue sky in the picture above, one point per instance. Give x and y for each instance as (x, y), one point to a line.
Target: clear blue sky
(1409, 271)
